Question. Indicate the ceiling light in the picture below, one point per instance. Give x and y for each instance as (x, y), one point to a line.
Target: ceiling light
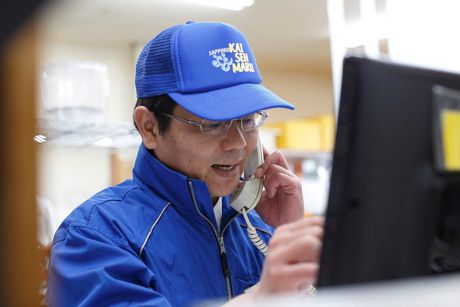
(234, 5)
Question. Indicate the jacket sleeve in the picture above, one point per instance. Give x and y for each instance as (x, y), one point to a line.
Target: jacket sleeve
(88, 268)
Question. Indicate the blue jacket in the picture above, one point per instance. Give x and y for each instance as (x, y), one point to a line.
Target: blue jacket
(152, 241)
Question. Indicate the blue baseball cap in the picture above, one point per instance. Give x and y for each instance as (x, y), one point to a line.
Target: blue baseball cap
(208, 68)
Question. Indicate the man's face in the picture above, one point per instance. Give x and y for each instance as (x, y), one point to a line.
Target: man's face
(218, 160)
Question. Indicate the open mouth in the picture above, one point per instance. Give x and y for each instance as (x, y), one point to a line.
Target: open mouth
(224, 167)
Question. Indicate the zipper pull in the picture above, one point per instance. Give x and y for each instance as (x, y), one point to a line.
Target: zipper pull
(223, 257)
(225, 269)
(221, 244)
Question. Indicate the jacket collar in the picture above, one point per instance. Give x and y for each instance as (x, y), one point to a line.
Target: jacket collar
(188, 195)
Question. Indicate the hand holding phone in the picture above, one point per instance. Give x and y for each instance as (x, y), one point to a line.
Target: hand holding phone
(247, 196)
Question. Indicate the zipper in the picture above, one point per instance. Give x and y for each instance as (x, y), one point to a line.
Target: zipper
(225, 268)
(220, 240)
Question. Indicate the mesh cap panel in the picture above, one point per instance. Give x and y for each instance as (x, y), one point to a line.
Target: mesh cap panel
(155, 73)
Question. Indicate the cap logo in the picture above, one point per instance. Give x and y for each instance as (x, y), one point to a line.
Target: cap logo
(231, 58)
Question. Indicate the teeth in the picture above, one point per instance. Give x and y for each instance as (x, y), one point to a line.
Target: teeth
(224, 167)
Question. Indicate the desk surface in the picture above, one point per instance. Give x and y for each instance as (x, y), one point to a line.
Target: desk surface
(421, 292)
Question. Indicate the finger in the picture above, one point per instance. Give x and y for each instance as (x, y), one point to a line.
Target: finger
(303, 248)
(295, 276)
(265, 151)
(294, 230)
(278, 158)
(288, 184)
(315, 220)
(273, 169)
(283, 237)
(275, 158)
(302, 223)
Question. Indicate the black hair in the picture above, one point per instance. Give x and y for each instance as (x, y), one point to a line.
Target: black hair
(158, 105)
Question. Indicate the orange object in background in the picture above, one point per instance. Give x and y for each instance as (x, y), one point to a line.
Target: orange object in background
(315, 134)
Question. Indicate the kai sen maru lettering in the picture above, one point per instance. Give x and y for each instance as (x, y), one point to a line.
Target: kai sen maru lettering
(232, 58)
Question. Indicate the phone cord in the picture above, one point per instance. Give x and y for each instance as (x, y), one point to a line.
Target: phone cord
(252, 233)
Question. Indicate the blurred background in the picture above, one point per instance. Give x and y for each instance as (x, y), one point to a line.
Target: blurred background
(67, 83)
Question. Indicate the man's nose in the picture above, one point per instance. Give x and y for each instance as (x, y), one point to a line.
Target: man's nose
(235, 137)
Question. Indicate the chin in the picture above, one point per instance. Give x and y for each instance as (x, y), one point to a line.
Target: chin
(225, 192)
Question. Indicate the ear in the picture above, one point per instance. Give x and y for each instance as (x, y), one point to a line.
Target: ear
(147, 125)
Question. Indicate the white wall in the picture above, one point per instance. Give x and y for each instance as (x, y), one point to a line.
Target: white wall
(69, 175)
(311, 94)
(424, 33)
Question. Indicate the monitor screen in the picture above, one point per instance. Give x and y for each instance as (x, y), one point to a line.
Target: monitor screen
(394, 200)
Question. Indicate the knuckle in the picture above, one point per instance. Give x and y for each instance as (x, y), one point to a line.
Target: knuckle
(281, 229)
(310, 241)
(298, 182)
(317, 231)
(277, 273)
(277, 154)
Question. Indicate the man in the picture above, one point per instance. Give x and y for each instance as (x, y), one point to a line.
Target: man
(169, 236)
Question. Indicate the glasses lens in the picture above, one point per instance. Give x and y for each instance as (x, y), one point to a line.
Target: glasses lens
(247, 123)
(253, 121)
(214, 127)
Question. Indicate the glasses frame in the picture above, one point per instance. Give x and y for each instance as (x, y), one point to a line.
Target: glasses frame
(229, 123)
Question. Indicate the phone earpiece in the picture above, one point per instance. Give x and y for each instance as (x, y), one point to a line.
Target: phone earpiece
(248, 195)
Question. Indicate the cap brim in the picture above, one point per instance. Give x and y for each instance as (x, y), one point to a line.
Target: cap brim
(231, 102)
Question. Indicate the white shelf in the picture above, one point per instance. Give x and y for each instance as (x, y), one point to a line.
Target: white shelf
(78, 134)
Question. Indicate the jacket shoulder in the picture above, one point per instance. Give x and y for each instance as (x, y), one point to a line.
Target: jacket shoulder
(122, 213)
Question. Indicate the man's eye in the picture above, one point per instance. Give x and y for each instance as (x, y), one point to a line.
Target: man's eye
(248, 121)
(211, 125)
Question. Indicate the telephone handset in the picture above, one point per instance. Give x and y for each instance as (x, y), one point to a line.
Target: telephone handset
(247, 196)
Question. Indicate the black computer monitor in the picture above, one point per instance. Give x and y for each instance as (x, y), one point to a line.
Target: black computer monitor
(394, 201)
